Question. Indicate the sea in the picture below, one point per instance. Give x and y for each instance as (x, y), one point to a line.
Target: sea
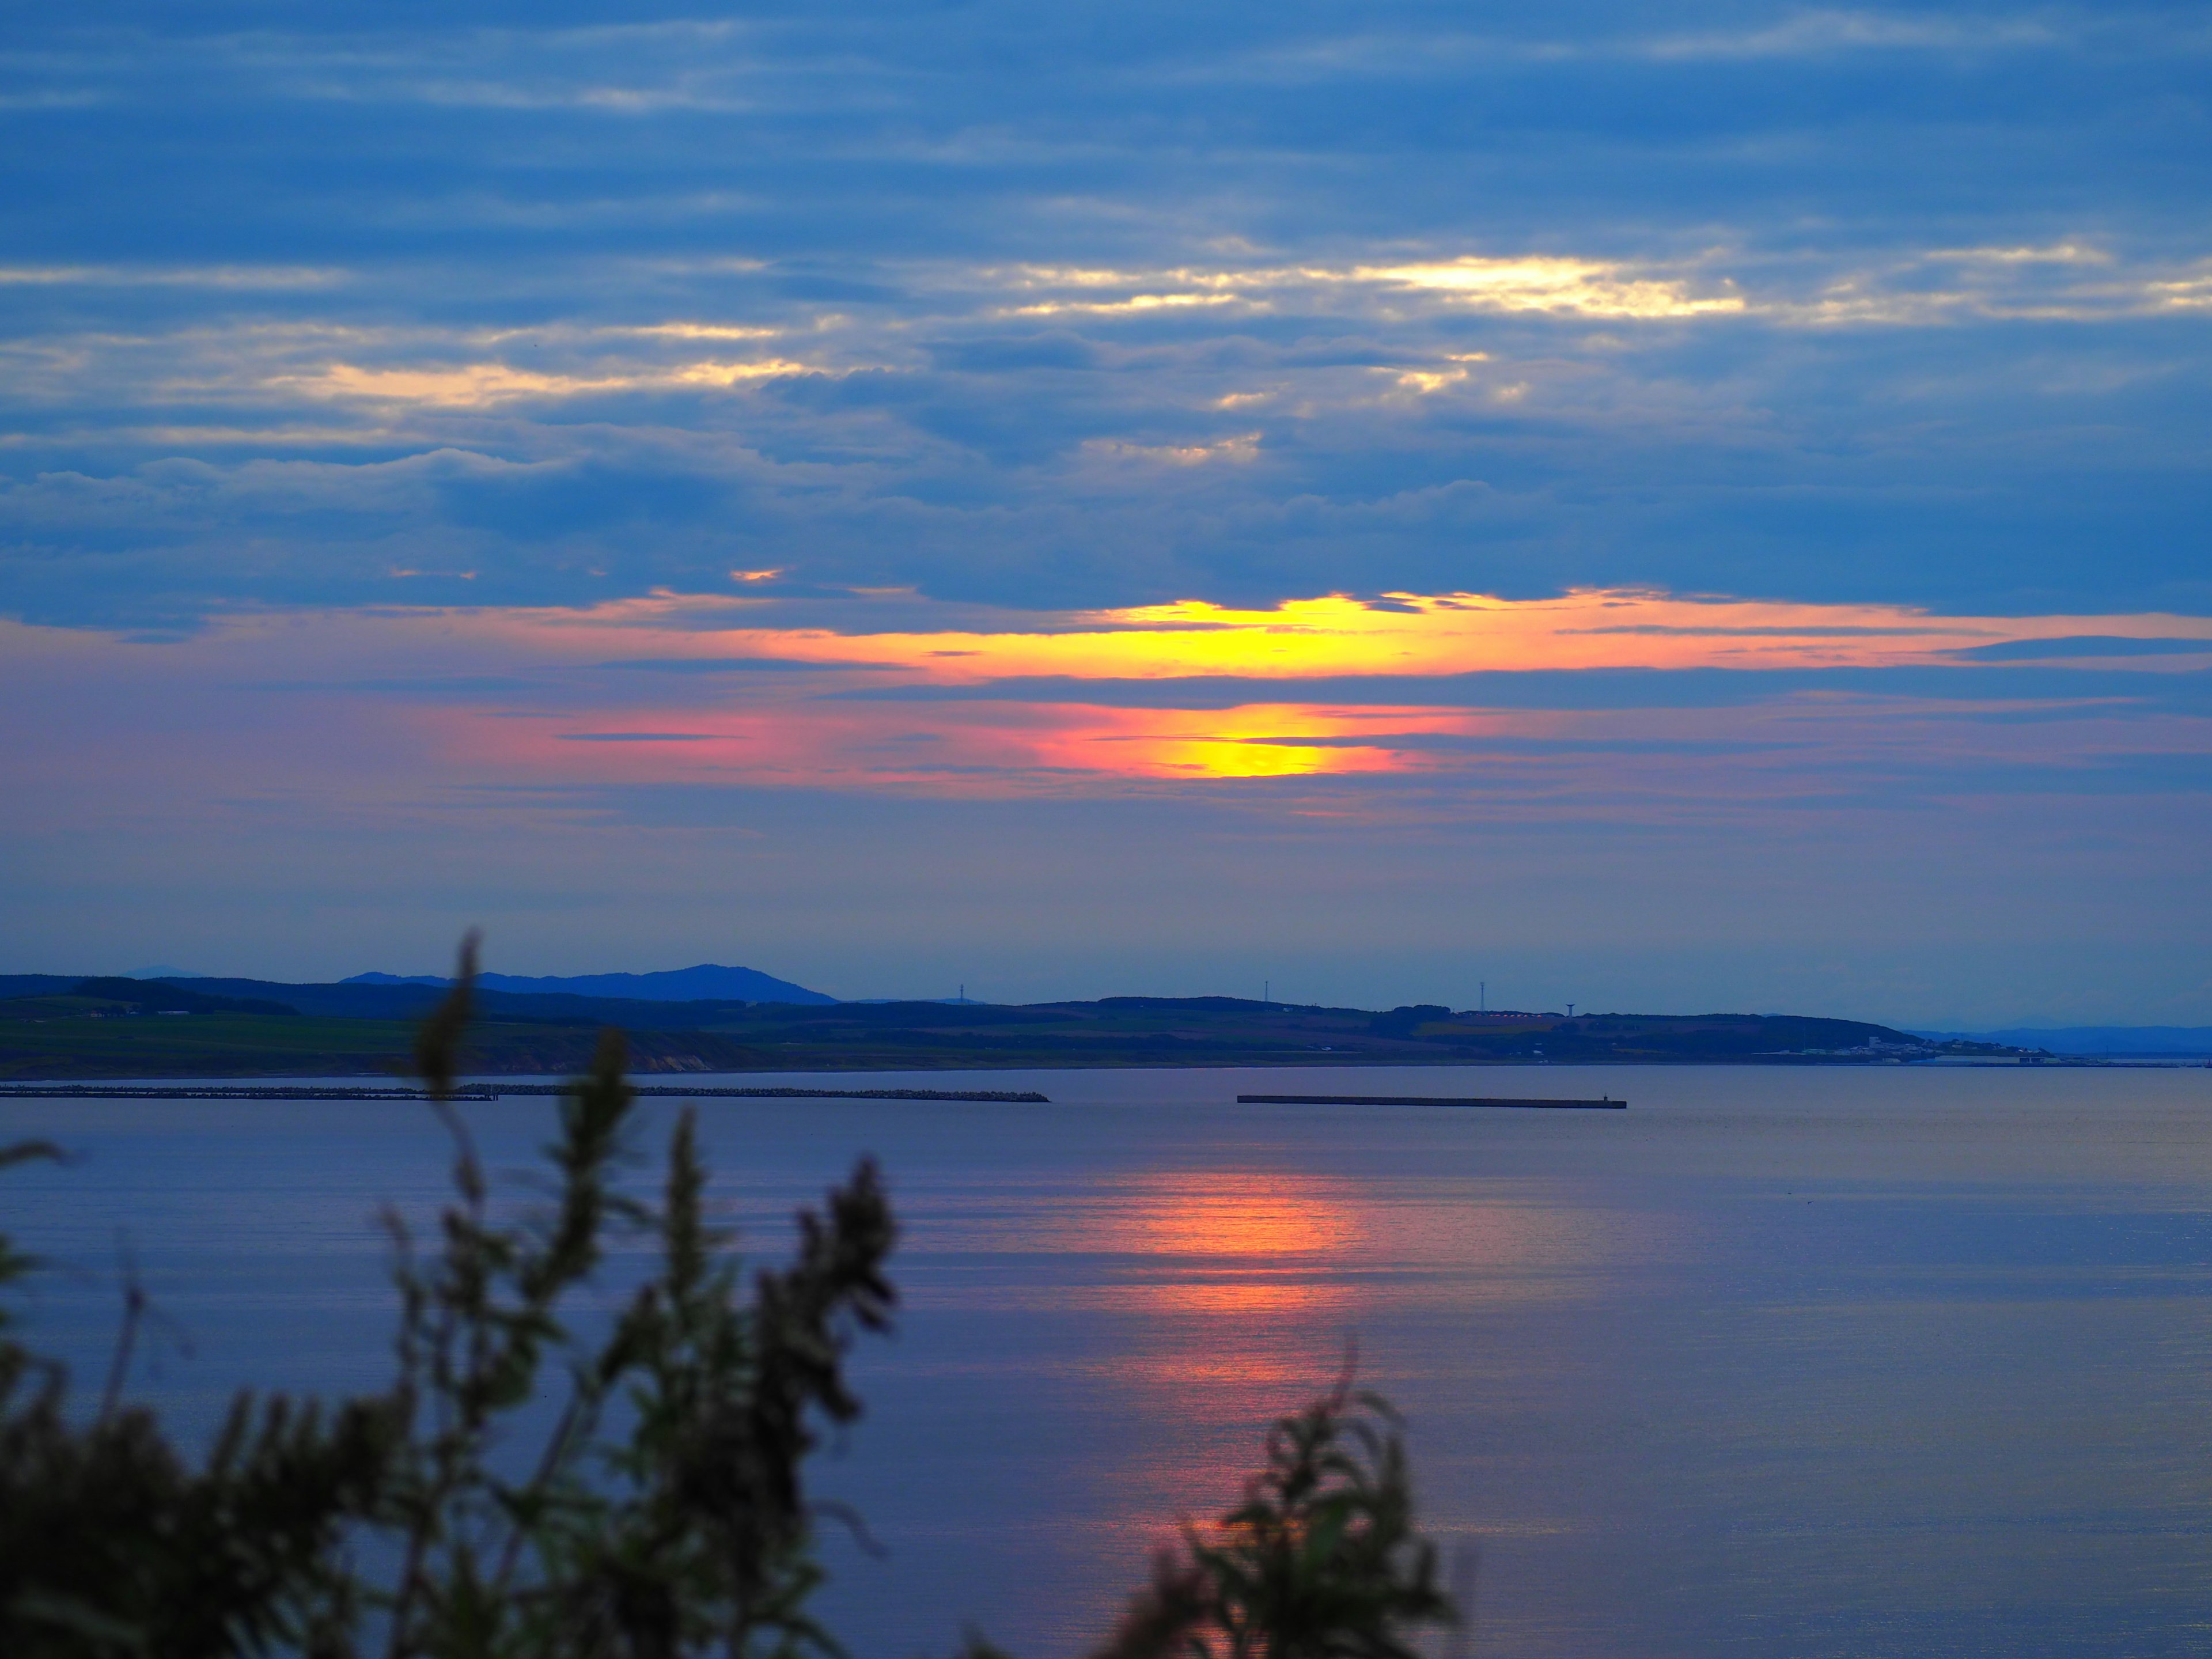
(1779, 1363)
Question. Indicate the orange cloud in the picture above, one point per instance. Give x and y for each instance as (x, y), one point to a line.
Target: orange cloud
(798, 727)
(750, 687)
(1340, 634)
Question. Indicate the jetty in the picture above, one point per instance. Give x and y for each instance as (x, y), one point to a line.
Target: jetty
(476, 1092)
(1607, 1104)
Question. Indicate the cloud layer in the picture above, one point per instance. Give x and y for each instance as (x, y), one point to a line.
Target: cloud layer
(1117, 305)
(1131, 491)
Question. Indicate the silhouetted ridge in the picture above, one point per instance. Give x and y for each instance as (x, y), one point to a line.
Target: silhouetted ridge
(706, 983)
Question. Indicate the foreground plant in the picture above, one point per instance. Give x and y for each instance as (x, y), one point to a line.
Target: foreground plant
(662, 1512)
(112, 1544)
(690, 1528)
(1321, 1561)
(524, 1492)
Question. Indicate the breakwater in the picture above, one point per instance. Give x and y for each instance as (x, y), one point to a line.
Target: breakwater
(1605, 1105)
(475, 1092)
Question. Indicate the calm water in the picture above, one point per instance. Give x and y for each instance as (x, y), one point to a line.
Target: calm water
(1777, 1363)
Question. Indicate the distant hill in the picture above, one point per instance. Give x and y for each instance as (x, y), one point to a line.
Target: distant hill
(2096, 1039)
(42, 996)
(708, 982)
(67, 1030)
(398, 999)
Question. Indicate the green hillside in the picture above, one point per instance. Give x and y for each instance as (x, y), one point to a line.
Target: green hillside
(123, 1033)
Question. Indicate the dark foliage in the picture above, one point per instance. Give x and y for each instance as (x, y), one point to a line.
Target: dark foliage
(1321, 1561)
(109, 1544)
(683, 1527)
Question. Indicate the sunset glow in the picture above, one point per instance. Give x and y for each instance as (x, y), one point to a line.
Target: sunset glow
(962, 708)
(1337, 633)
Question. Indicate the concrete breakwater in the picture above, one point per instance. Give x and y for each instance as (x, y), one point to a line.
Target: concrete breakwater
(1608, 1104)
(474, 1091)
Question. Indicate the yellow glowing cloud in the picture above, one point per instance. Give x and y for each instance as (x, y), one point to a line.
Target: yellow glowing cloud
(2186, 294)
(1531, 283)
(2063, 279)
(1393, 634)
(1090, 276)
(698, 332)
(1036, 728)
(476, 383)
(1108, 307)
(1579, 286)
(473, 385)
(1245, 447)
(732, 373)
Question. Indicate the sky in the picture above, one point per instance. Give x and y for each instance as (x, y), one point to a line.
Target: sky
(1671, 508)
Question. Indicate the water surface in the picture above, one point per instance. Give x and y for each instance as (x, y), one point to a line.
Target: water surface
(1777, 1363)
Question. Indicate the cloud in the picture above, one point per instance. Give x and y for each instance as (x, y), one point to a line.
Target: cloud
(474, 385)
(1419, 687)
(1514, 313)
(2085, 645)
(1514, 421)
(746, 664)
(1568, 690)
(1820, 32)
(214, 276)
(1574, 287)
(637, 737)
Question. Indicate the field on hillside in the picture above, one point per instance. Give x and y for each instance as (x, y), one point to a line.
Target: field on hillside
(41, 1047)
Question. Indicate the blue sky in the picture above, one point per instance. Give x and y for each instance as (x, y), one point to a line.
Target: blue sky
(412, 339)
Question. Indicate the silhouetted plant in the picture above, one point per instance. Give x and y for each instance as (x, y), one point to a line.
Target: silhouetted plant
(663, 1513)
(110, 1545)
(1321, 1561)
(692, 1530)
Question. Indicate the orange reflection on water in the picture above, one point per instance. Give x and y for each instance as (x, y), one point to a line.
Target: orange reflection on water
(1255, 1249)
(1214, 1300)
(1250, 1275)
(1245, 1296)
(1247, 1286)
(1242, 1213)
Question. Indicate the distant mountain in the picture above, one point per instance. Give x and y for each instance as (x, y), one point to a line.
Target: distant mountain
(158, 972)
(398, 999)
(2096, 1039)
(707, 983)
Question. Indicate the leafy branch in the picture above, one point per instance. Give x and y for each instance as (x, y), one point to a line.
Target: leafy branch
(1321, 1561)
